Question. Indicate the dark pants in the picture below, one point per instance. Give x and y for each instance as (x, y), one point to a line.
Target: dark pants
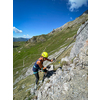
(37, 76)
(44, 74)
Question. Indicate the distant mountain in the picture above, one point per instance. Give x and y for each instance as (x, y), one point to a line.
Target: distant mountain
(20, 39)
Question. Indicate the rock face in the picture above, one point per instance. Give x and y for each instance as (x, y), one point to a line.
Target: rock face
(67, 85)
(80, 40)
(69, 82)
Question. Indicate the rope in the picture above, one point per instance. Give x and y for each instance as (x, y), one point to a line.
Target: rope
(73, 40)
(67, 47)
(59, 47)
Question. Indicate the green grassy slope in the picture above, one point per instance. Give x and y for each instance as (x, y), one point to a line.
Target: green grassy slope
(30, 52)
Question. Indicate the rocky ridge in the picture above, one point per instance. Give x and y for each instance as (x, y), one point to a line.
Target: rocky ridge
(81, 19)
(35, 39)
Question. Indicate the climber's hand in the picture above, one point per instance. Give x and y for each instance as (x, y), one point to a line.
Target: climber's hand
(44, 68)
(51, 60)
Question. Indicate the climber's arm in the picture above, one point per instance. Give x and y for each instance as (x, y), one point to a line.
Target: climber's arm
(49, 59)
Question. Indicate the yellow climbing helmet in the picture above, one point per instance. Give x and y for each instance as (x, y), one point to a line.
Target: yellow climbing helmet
(44, 54)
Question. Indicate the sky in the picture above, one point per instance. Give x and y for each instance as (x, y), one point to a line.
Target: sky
(36, 17)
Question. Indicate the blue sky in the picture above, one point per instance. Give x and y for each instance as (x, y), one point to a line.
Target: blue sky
(36, 17)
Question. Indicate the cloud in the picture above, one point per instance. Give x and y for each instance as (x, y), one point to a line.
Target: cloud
(71, 18)
(75, 4)
(17, 30)
(26, 36)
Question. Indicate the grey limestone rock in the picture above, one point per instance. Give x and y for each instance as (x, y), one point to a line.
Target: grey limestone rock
(80, 40)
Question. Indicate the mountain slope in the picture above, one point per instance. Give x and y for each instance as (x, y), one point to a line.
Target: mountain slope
(48, 42)
(69, 82)
(54, 43)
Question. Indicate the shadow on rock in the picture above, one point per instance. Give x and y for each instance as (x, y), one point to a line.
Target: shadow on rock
(50, 73)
